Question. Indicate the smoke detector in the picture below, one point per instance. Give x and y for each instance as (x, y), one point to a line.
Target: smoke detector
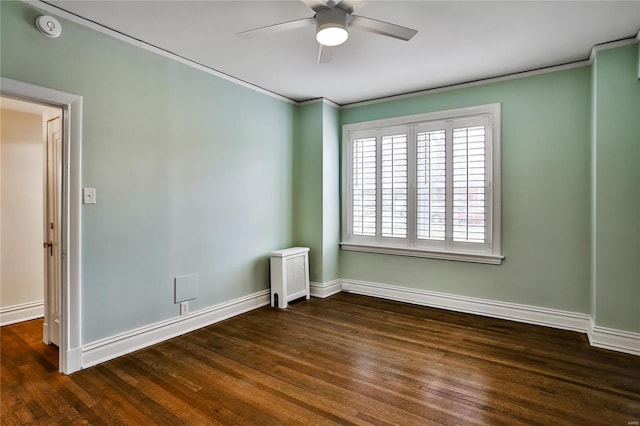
(49, 26)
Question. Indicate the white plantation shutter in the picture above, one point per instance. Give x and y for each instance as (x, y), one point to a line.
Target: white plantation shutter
(430, 185)
(469, 162)
(394, 179)
(425, 185)
(364, 187)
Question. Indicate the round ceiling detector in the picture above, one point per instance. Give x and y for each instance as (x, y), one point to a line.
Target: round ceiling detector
(49, 26)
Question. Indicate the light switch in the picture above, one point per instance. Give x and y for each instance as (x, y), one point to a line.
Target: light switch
(89, 195)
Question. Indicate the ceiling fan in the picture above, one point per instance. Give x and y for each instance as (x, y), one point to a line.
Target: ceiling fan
(332, 20)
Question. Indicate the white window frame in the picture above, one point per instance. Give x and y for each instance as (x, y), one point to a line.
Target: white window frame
(490, 252)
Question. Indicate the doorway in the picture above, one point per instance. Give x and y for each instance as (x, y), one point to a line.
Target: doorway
(68, 131)
(30, 211)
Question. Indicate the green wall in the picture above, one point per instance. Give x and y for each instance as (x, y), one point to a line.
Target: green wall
(616, 183)
(545, 196)
(307, 185)
(570, 194)
(330, 193)
(193, 172)
(316, 187)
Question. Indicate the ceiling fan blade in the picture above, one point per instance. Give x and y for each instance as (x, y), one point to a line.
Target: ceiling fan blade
(351, 6)
(315, 5)
(382, 28)
(324, 54)
(276, 28)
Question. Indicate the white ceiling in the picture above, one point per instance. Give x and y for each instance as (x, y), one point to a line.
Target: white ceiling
(457, 41)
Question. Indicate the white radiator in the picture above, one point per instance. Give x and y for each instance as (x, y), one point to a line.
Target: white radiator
(289, 275)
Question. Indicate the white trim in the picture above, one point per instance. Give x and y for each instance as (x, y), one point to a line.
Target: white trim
(317, 100)
(141, 44)
(599, 337)
(74, 358)
(22, 312)
(310, 102)
(431, 254)
(490, 251)
(611, 45)
(490, 308)
(493, 109)
(327, 289)
(71, 285)
(133, 340)
(331, 103)
(455, 86)
(498, 79)
(615, 340)
(465, 85)
(490, 80)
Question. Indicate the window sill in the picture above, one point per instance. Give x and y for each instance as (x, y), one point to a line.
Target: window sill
(432, 254)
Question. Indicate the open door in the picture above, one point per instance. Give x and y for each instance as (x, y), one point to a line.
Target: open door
(53, 178)
(65, 312)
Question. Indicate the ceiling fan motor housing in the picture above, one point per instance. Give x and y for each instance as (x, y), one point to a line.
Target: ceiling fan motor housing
(331, 18)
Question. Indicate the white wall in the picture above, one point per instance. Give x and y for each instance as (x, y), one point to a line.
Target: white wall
(21, 209)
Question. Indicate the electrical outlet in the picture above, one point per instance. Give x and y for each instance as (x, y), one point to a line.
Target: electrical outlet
(184, 308)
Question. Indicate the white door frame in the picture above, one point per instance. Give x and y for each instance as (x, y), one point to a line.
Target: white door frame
(70, 285)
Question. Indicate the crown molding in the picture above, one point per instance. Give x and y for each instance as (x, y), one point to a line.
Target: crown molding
(537, 71)
(331, 103)
(319, 100)
(42, 5)
(612, 45)
(474, 83)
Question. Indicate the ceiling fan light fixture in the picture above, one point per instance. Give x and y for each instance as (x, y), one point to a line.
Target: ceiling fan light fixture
(331, 26)
(332, 36)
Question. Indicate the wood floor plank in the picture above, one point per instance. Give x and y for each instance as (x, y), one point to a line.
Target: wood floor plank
(303, 382)
(269, 380)
(338, 374)
(347, 359)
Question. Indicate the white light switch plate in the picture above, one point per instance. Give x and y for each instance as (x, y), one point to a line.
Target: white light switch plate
(89, 195)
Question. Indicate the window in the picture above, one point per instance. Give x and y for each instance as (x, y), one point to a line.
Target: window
(426, 185)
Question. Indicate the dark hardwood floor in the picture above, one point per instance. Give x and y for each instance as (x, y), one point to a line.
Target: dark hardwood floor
(347, 359)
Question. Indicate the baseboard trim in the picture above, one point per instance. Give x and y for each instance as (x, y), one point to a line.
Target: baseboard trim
(112, 347)
(130, 341)
(599, 337)
(72, 361)
(327, 289)
(614, 340)
(490, 308)
(22, 312)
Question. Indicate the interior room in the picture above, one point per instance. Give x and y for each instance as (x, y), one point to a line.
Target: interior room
(459, 183)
